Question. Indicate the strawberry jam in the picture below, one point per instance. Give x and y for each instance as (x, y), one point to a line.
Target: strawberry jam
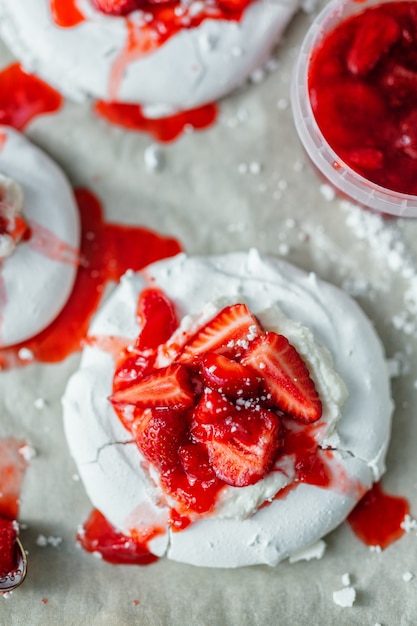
(99, 536)
(107, 252)
(164, 129)
(23, 97)
(363, 92)
(377, 519)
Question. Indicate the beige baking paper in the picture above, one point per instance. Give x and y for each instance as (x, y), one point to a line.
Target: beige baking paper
(244, 182)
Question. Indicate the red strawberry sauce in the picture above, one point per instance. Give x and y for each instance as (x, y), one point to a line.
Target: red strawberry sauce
(363, 90)
(12, 469)
(378, 517)
(107, 251)
(24, 96)
(66, 13)
(98, 535)
(165, 129)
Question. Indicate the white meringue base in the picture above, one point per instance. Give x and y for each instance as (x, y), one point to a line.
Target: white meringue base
(36, 286)
(194, 67)
(109, 463)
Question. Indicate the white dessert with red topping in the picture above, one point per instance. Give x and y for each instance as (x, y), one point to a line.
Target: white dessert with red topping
(166, 55)
(39, 239)
(234, 404)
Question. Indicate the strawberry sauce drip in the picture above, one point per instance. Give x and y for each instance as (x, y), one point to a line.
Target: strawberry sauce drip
(363, 90)
(166, 129)
(12, 470)
(377, 519)
(107, 252)
(65, 13)
(24, 96)
(98, 535)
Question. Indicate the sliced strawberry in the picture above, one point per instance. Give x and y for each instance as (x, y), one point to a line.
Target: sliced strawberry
(375, 36)
(156, 315)
(169, 387)
(248, 453)
(230, 332)
(228, 377)
(116, 7)
(195, 462)
(132, 369)
(285, 377)
(160, 436)
(7, 547)
(210, 414)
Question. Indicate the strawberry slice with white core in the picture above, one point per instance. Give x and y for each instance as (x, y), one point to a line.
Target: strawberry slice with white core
(169, 387)
(228, 376)
(248, 449)
(230, 333)
(160, 436)
(285, 377)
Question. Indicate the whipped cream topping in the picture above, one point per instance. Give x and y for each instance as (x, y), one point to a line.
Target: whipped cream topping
(211, 59)
(37, 275)
(12, 224)
(324, 325)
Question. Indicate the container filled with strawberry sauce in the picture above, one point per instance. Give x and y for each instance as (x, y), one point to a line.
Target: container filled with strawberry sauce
(354, 99)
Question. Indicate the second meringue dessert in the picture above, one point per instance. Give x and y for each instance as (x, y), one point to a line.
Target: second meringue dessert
(39, 239)
(228, 410)
(165, 55)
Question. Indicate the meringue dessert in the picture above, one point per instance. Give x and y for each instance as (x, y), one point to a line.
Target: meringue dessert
(165, 55)
(235, 405)
(39, 239)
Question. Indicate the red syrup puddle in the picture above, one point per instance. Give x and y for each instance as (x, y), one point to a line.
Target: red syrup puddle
(98, 535)
(107, 252)
(363, 93)
(65, 13)
(378, 517)
(164, 129)
(12, 470)
(24, 96)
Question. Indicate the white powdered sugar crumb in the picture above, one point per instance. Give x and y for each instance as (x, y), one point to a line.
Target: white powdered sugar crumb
(346, 579)
(154, 158)
(327, 192)
(387, 244)
(39, 403)
(408, 524)
(27, 452)
(385, 239)
(257, 76)
(42, 541)
(25, 354)
(407, 577)
(344, 597)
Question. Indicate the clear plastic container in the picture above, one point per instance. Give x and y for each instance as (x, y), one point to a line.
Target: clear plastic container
(345, 180)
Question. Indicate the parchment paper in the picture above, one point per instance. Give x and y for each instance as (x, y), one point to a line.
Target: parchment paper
(244, 182)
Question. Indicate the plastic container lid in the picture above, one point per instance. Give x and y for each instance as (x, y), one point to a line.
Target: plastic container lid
(351, 184)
